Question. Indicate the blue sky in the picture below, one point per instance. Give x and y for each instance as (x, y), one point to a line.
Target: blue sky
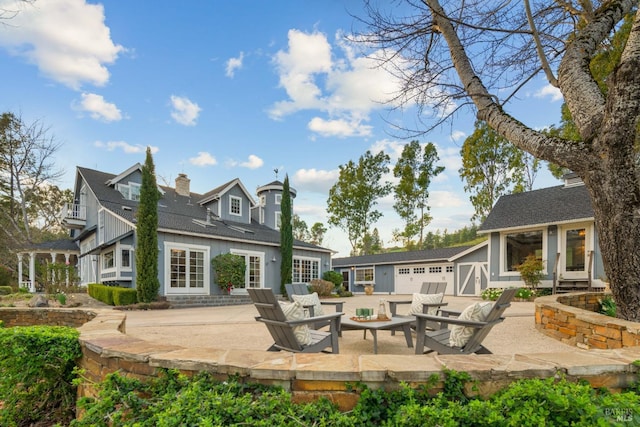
(226, 89)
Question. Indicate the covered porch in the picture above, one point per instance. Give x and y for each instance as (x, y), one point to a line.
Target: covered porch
(62, 252)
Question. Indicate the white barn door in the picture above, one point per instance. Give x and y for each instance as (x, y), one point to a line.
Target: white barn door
(473, 277)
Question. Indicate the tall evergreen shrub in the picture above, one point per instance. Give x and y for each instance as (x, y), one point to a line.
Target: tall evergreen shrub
(286, 236)
(147, 283)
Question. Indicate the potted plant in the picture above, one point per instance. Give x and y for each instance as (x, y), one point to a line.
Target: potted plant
(229, 271)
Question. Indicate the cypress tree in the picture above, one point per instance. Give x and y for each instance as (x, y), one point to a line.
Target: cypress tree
(147, 283)
(286, 236)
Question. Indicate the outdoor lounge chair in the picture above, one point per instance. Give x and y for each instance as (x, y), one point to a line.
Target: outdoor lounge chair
(438, 340)
(428, 288)
(302, 289)
(282, 330)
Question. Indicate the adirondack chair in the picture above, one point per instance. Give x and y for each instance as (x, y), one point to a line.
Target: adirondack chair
(281, 329)
(428, 288)
(302, 289)
(438, 340)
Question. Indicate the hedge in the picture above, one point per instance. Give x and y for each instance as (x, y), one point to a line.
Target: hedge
(6, 290)
(112, 295)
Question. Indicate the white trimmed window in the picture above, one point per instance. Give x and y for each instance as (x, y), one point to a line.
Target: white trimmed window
(305, 269)
(108, 261)
(278, 220)
(235, 205)
(125, 258)
(278, 199)
(517, 246)
(130, 191)
(186, 268)
(364, 275)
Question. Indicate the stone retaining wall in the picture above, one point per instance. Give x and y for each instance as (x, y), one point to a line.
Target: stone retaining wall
(184, 301)
(574, 320)
(106, 348)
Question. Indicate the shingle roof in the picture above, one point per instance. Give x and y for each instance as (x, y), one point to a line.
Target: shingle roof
(441, 254)
(545, 206)
(177, 213)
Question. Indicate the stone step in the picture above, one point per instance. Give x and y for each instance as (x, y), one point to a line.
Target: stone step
(185, 301)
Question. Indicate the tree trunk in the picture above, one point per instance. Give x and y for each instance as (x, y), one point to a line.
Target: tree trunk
(606, 158)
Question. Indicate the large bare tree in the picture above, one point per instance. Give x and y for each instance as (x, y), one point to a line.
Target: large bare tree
(480, 53)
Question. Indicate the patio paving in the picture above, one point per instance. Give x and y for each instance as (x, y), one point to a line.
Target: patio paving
(234, 327)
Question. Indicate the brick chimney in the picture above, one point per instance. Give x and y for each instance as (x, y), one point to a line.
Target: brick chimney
(182, 185)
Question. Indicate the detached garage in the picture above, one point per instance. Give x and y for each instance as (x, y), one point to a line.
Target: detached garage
(404, 272)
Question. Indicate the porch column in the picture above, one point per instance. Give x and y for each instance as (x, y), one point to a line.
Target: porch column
(53, 277)
(19, 270)
(32, 272)
(67, 263)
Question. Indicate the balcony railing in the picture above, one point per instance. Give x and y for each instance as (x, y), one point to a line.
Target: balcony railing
(73, 215)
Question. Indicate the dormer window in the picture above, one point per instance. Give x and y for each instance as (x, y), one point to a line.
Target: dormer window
(130, 191)
(235, 205)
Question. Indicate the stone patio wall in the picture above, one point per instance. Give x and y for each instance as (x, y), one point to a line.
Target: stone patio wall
(574, 320)
(106, 348)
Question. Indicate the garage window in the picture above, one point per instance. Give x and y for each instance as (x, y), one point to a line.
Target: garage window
(435, 269)
(449, 268)
(418, 270)
(364, 275)
(404, 270)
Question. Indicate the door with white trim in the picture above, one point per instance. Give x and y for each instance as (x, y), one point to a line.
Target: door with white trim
(473, 277)
(254, 269)
(575, 244)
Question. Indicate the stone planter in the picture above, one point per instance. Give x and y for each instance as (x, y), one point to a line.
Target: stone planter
(368, 289)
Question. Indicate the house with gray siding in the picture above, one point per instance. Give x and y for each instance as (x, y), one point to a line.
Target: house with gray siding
(555, 224)
(192, 229)
(463, 268)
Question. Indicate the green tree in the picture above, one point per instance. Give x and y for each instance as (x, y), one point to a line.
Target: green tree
(352, 199)
(286, 237)
(316, 235)
(491, 167)
(415, 168)
(300, 229)
(147, 283)
(482, 54)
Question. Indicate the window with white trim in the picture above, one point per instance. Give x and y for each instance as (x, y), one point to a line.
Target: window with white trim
(130, 191)
(517, 246)
(186, 268)
(108, 261)
(305, 269)
(125, 258)
(235, 205)
(278, 199)
(278, 220)
(364, 275)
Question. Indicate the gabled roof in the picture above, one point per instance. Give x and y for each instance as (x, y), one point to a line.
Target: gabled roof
(431, 255)
(553, 205)
(183, 215)
(218, 192)
(124, 174)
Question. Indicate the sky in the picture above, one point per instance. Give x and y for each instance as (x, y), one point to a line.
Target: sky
(228, 89)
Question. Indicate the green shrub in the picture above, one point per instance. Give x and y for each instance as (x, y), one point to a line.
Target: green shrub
(491, 294)
(531, 271)
(5, 276)
(124, 296)
(6, 290)
(524, 293)
(608, 306)
(37, 365)
(229, 271)
(333, 277)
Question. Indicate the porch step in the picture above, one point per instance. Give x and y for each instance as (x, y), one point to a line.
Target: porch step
(564, 286)
(185, 301)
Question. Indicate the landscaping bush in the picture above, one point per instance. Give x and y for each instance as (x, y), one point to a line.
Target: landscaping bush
(524, 293)
(112, 295)
(491, 294)
(36, 375)
(175, 400)
(324, 288)
(6, 290)
(608, 306)
(5, 276)
(333, 277)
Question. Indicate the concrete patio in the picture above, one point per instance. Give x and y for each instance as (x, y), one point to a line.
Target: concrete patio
(234, 327)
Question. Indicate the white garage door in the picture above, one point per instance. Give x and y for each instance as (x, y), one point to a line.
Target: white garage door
(409, 278)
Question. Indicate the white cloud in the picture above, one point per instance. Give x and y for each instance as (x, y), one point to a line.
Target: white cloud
(98, 108)
(340, 127)
(185, 111)
(234, 64)
(66, 39)
(203, 159)
(314, 180)
(457, 135)
(549, 91)
(445, 199)
(253, 162)
(125, 147)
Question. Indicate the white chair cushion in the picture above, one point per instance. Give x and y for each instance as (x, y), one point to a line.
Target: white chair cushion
(295, 311)
(419, 299)
(477, 312)
(310, 299)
